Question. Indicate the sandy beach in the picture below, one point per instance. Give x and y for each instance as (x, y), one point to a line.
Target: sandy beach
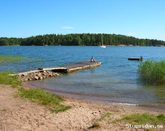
(18, 114)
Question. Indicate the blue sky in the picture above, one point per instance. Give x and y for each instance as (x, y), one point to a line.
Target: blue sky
(139, 18)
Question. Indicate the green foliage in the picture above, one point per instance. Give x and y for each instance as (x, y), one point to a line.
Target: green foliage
(9, 58)
(152, 72)
(4, 41)
(80, 39)
(6, 78)
(145, 119)
(43, 97)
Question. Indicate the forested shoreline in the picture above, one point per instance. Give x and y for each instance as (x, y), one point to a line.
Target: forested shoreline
(84, 39)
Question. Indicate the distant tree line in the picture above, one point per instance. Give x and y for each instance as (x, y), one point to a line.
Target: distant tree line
(80, 40)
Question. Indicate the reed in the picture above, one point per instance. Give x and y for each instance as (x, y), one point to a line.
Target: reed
(152, 72)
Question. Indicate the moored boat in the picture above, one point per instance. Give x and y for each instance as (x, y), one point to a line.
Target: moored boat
(135, 58)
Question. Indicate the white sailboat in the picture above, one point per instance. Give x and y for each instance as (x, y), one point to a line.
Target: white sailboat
(102, 45)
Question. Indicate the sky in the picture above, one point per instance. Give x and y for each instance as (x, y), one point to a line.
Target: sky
(138, 18)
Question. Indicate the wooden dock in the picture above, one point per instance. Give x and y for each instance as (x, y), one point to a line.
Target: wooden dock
(42, 73)
(73, 67)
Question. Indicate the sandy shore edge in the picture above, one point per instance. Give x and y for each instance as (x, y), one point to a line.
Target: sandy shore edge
(18, 114)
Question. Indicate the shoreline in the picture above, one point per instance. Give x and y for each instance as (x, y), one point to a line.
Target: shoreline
(21, 114)
(77, 97)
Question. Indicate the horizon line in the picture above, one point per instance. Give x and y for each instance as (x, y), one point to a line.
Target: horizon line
(81, 33)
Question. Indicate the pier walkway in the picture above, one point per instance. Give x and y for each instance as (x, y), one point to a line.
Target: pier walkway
(73, 67)
(42, 73)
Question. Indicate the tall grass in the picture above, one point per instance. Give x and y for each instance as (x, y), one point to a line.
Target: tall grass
(152, 72)
(10, 58)
(6, 78)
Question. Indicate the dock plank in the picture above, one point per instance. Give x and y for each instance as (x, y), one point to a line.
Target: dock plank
(73, 67)
(82, 66)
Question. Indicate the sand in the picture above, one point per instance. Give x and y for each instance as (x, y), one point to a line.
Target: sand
(18, 114)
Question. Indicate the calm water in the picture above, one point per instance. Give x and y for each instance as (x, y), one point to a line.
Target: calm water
(116, 80)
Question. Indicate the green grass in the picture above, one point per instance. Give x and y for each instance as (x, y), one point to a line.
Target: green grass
(144, 119)
(52, 101)
(6, 78)
(10, 58)
(152, 72)
(104, 117)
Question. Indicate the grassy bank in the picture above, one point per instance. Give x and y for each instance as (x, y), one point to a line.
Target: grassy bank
(6, 78)
(10, 58)
(145, 119)
(40, 96)
(152, 72)
(53, 102)
(132, 119)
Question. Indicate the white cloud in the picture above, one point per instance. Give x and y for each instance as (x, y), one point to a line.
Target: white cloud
(67, 27)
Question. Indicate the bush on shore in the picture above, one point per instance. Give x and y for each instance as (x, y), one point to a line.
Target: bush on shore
(152, 72)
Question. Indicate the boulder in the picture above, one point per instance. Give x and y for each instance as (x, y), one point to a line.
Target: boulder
(36, 77)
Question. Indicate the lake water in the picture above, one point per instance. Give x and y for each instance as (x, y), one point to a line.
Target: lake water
(116, 80)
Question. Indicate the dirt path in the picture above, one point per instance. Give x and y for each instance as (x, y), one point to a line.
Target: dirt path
(17, 114)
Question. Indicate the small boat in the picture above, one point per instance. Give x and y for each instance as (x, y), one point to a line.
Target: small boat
(137, 59)
(102, 46)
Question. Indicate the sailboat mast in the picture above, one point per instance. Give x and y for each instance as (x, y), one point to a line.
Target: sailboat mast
(102, 39)
(102, 44)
